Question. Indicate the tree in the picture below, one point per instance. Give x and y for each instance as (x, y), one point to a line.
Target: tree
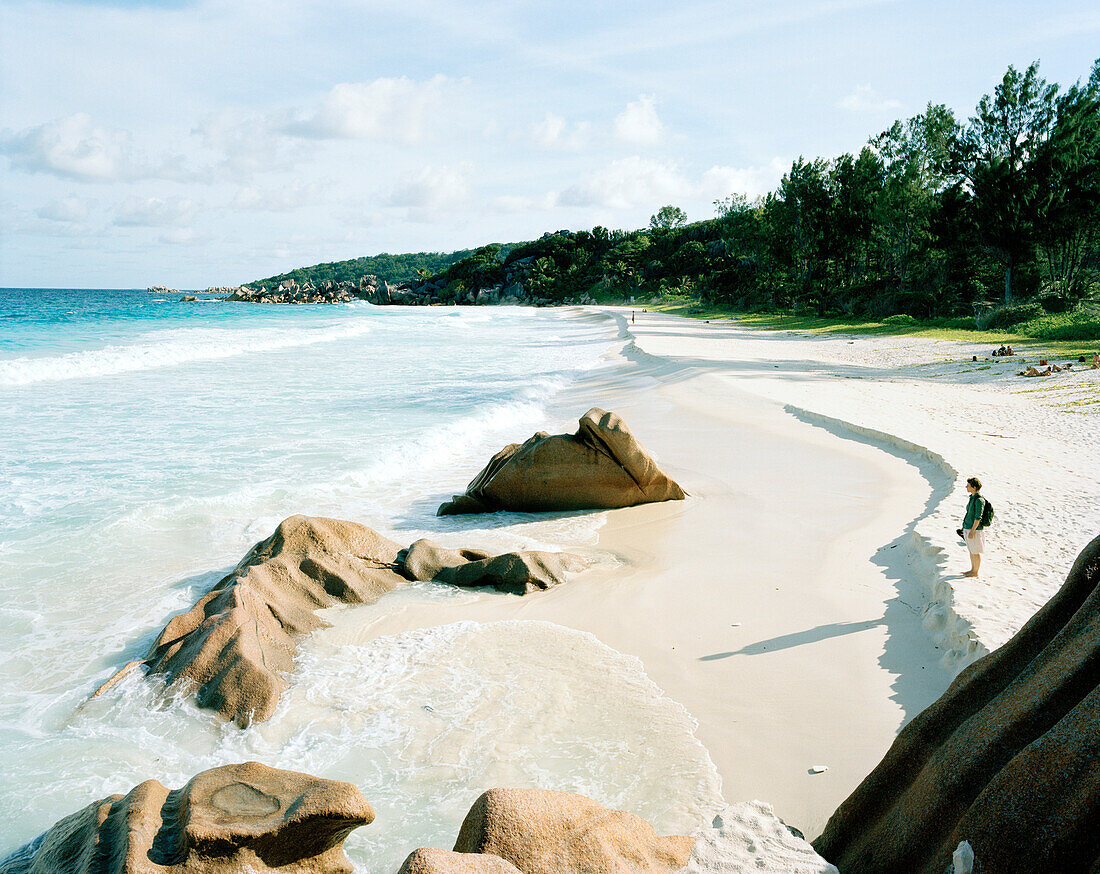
(667, 218)
(993, 157)
(1066, 171)
(915, 158)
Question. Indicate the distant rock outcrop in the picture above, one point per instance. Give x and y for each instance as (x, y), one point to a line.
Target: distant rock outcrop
(601, 466)
(1006, 759)
(518, 573)
(543, 832)
(162, 289)
(236, 819)
(236, 645)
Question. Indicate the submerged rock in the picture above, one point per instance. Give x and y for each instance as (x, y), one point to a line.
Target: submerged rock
(543, 832)
(518, 573)
(237, 642)
(601, 466)
(236, 819)
(1005, 760)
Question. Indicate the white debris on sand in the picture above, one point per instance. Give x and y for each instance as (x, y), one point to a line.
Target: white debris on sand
(749, 837)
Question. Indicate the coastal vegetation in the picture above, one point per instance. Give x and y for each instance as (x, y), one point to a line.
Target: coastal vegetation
(988, 224)
(387, 267)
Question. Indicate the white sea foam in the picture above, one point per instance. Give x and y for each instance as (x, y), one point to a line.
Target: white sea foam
(169, 348)
(422, 722)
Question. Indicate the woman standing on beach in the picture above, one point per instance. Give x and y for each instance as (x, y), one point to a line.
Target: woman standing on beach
(972, 525)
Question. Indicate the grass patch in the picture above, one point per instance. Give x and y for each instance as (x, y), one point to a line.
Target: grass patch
(1065, 335)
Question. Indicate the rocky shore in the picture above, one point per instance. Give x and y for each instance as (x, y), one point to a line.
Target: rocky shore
(514, 290)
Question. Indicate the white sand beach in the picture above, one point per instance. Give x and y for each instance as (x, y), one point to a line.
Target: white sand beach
(806, 600)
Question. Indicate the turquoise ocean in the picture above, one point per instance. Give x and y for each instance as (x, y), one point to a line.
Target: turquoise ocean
(148, 443)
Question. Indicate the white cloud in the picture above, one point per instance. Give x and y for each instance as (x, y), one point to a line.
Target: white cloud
(627, 183)
(283, 199)
(248, 142)
(152, 212)
(74, 148)
(397, 110)
(519, 203)
(67, 209)
(554, 132)
(431, 191)
(865, 99)
(638, 124)
(719, 181)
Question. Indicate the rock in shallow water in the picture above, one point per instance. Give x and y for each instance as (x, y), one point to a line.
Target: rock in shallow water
(236, 645)
(518, 573)
(236, 819)
(237, 642)
(1005, 760)
(544, 832)
(601, 466)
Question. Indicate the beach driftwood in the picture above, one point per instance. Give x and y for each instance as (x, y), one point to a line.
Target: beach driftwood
(1006, 759)
(601, 466)
(544, 832)
(228, 820)
(235, 647)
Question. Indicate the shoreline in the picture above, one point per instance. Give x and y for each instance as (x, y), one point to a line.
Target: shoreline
(783, 673)
(781, 669)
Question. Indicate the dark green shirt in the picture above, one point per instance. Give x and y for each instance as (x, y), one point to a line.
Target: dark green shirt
(974, 509)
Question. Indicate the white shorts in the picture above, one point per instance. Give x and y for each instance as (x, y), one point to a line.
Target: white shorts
(975, 543)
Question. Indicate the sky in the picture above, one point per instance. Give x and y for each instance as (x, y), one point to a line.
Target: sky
(196, 144)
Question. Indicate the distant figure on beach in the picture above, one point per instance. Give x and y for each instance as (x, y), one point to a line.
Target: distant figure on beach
(1096, 361)
(632, 317)
(972, 525)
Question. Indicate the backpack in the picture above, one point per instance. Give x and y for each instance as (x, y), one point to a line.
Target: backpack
(987, 514)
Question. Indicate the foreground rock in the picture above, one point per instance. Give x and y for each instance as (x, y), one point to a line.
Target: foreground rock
(542, 832)
(601, 466)
(237, 644)
(749, 837)
(1005, 760)
(428, 860)
(518, 573)
(229, 820)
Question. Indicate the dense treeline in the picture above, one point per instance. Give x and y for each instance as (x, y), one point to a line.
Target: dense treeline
(933, 217)
(391, 268)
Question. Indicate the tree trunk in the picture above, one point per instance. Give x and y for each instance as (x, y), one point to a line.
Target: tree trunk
(1008, 282)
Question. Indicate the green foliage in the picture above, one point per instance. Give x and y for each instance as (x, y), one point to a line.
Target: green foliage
(1008, 316)
(1081, 324)
(925, 226)
(391, 268)
(667, 218)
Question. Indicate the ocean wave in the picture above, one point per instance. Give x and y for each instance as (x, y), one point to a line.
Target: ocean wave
(422, 721)
(170, 348)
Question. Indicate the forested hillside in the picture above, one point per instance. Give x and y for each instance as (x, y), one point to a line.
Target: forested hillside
(391, 268)
(994, 218)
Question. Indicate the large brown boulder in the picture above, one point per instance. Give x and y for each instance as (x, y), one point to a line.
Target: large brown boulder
(235, 645)
(516, 572)
(228, 820)
(600, 466)
(1006, 759)
(543, 832)
(428, 860)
